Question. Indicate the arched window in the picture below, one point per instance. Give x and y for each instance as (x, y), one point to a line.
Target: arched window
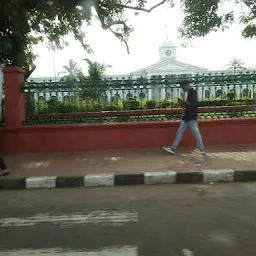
(115, 98)
(167, 96)
(232, 90)
(218, 93)
(207, 94)
(117, 95)
(41, 98)
(245, 92)
(104, 98)
(129, 95)
(66, 98)
(142, 95)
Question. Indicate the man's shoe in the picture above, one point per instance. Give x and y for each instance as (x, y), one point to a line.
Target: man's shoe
(169, 150)
(4, 173)
(198, 151)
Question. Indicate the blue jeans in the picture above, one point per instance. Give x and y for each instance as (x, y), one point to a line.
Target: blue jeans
(195, 130)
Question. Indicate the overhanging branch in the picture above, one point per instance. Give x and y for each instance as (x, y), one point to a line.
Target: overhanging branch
(139, 8)
(99, 7)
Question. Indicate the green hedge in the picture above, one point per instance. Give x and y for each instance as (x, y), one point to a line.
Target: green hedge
(57, 106)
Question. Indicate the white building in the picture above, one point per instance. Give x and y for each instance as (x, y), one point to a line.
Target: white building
(167, 65)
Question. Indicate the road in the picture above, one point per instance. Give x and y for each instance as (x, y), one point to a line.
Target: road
(207, 220)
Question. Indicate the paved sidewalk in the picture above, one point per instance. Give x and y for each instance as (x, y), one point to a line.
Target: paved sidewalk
(131, 161)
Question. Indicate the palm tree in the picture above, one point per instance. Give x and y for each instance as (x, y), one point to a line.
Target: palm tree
(96, 70)
(236, 64)
(71, 72)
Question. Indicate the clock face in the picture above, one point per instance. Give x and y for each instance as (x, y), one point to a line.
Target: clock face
(168, 53)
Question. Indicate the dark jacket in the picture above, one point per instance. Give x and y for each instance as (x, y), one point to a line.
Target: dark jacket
(190, 111)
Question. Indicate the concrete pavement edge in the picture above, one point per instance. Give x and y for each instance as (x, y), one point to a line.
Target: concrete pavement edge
(111, 179)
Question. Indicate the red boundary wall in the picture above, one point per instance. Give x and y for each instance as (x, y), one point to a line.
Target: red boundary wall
(61, 138)
(18, 138)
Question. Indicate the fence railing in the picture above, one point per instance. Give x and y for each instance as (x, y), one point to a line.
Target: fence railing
(128, 100)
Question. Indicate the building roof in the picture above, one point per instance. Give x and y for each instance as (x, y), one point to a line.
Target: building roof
(169, 65)
(168, 43)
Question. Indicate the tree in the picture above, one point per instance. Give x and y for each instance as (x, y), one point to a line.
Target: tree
(236, 64)
(71, 72)
(96, 70)
(25, 23)
(204, 16)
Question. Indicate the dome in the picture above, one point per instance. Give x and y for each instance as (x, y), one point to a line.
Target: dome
(168, 43)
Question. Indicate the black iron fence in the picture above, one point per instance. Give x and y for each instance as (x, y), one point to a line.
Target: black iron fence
(128, 100)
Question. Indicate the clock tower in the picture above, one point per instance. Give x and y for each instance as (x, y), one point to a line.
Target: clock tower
(168, 50)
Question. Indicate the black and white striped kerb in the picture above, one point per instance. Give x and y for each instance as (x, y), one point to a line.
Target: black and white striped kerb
(109, 180)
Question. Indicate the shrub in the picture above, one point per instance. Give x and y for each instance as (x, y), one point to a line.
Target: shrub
(250, 94)
(131, 104)
(113, 106)
(231, 95)
(95, 107)
(151, 104)
(30, 103)
(110, 108)
(175, 104)
(165, 103)
(143, 104)
(67, 107)
(41, 107)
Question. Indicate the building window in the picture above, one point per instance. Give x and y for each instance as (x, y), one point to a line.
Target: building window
(218, 93)
(41, 98)
(66, 98)
(167, 96)
(104, 98)
(129, 95)
(245, 92)
(254, 95)
(142, 95)
(118, 96)
(53, 97)
(115, 98)
(207, 94)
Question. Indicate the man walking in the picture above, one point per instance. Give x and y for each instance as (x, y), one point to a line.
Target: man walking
(189, 119)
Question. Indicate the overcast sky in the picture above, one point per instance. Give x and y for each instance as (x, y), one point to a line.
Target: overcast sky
(212, 52)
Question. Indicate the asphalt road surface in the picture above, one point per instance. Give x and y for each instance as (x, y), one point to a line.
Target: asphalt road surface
(200, 220)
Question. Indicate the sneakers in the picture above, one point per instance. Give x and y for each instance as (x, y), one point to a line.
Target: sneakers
(169, 150)
(198, 151)
(4, 173)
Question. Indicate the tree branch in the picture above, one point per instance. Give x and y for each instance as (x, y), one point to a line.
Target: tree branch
(100, 13)
(109, 27)
(141, 9)
(121, 38)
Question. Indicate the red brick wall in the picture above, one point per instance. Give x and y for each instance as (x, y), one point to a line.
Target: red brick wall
(61, 138)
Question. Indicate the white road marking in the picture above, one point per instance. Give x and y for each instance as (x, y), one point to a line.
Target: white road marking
(124, 251)
(98, 217)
